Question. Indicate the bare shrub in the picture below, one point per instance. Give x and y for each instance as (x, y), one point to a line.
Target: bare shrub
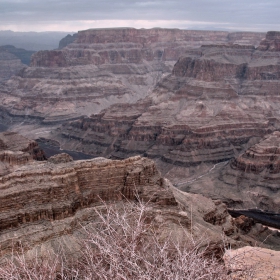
(123, 244)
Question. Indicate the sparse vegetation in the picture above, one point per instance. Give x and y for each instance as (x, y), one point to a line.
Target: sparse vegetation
(122, 244)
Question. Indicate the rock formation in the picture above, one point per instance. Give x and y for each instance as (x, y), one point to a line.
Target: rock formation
(219, 101)
(45, 204)
(271, 42)
(261, 263)
(100, 68)
(67, 40)
(22, 54)
(12, 60)
(16, 150)
(9, 65)
(251, 180)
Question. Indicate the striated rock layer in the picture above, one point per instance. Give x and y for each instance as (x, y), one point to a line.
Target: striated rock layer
(256, 174)
(9, 64)
(100, 68)
(44, 205)
(16, 150)
(250, 180)
(217, 102)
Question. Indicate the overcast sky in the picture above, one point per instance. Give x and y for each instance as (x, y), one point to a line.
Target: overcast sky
(74, 15)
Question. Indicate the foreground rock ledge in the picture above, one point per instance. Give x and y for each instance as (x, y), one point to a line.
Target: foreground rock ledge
(263, 262)
(44, 205)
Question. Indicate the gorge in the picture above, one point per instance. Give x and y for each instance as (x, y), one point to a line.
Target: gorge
(187, 120)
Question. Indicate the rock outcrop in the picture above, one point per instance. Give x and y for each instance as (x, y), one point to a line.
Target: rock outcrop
(22, 54)
(99, 68)
(9, 65)
(271, 42)
(255, 174)
(16, 150)
(67, 40)
(259, 263)
(44, 205)
(249, 180)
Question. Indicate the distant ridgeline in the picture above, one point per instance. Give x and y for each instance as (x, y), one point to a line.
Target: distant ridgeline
(22, 54)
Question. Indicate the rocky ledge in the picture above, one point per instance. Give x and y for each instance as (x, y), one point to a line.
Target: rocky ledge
(44, 205)
(16, 150)
(255, 174)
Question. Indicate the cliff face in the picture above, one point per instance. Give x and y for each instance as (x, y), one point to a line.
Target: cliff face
(67, 40)
(100, 68)
(216, 99)
(49, 202)
(9, 65)
(16, 150)
(44, 205)
(129, 45)
(255, 174)
(22, 54)
(271, 42)
(12, 60)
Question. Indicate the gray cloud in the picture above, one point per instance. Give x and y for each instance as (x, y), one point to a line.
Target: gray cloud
(232, 14)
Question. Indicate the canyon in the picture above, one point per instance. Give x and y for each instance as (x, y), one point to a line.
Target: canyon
(46, 205)
(99, 68)
(185, 120)
(193, 101)
(219, 101)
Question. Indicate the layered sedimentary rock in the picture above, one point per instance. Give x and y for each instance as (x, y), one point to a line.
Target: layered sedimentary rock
(48, 201)
(67, 40)
(271, 41)
(44, 205)
(255, 174)
(100, 68)
(9, 65)
(22, 54)
(16, 150)
(12, 60)
(218, 101)
(250, 180)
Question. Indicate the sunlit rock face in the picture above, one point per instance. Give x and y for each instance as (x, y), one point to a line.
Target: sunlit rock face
(102, 67)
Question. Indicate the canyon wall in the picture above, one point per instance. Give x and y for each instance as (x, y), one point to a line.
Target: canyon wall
(47, 205)
(218, 101)
(16, 150)
(9, 65)
(99, 68)
(49, 202)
